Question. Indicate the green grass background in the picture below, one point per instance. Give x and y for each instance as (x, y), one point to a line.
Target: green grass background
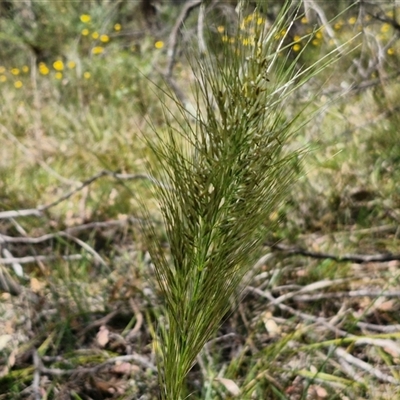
(79, 83)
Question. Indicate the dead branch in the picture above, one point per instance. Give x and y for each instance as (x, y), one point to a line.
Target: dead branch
(368, 83)
(89, 181)
(8, 286)
(29, 259)
(32, 259)
(267, 295)
(69, 231)
(383, 18)
(16, 266)
(139, 320)
(173, 38)
(379, 328)
(36, 376)
(7, 283)
(352, 293)
(99, 322)
(354, 258)
(39, 210)
(365, 366)
(200, 29)
(309, 288)
(20, 213)
(343, 355)
(136, 358)
(320, 320)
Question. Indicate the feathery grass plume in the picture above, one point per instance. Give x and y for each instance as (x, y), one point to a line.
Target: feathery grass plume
(225, 170)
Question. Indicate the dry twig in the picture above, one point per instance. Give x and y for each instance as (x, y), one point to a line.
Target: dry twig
(173, 38)
(32, 259)
(365, 366)
(136, 358)
(354, 258)
(39, 210)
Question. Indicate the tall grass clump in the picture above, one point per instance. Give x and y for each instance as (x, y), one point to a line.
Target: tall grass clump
(224, 169)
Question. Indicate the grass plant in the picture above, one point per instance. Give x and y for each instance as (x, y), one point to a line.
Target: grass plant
(224, 170)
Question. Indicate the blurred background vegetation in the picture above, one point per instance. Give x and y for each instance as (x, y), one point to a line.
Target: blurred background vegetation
(79, 83)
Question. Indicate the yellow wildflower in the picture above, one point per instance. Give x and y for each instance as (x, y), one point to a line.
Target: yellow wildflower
(390, 51)
(352, 20)
(97, 50)
(159, 44)
(2, 69)
(221, 29)
(58, 75)
(296, 47)
(43, 69)
(95, 35)
(117, 27)
(58, 65)
(385, 28)
(71, 64)
(318, 35)
(249, 18)
(297, 38)
(15, 71)
(304, 20)
(87, 75)
(85, 18)
(18, 84)
(104, 38)
(3, 78)
(337, 26)
(85, 32)
(283, 32)
(25, 69)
